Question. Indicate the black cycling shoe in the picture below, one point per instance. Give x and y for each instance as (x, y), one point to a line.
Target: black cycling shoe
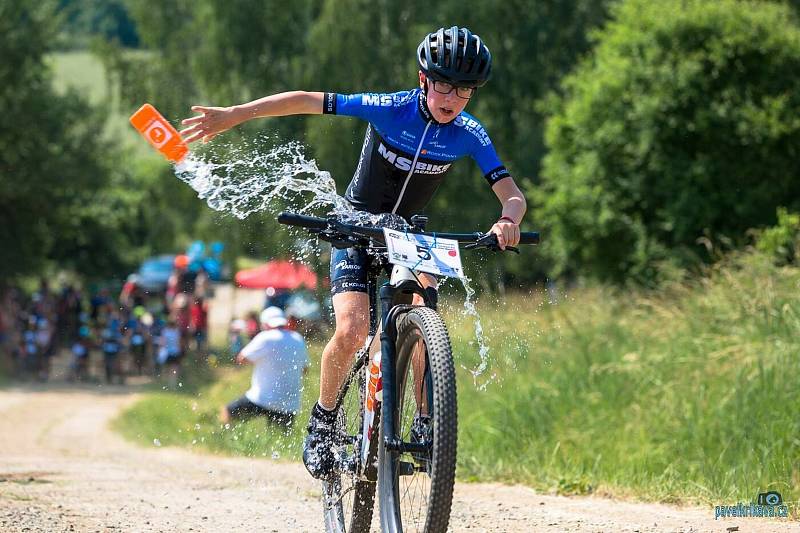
(318, 455)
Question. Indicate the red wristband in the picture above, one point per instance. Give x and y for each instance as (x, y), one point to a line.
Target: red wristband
(506, 218)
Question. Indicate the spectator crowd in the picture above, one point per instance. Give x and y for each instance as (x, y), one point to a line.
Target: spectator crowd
(106, 337)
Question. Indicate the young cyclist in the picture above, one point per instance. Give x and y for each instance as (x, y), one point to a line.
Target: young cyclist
(412, 140)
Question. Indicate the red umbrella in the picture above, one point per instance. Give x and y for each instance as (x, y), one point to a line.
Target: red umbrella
(277, 274)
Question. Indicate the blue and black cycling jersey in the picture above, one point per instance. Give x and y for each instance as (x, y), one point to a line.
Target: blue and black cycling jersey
(406, 152)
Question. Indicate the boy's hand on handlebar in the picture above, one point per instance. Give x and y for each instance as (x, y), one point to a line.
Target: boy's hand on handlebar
(208, 124)
(507, 233)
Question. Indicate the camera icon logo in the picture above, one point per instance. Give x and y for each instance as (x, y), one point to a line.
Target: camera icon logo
(770, 498)
(157, 133)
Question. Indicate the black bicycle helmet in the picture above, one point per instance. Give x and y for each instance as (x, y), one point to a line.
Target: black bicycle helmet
(455, 55)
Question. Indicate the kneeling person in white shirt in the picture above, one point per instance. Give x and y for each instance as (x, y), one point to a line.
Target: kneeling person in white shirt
(280, 360)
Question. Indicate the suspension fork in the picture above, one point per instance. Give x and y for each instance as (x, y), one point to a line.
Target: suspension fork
(390, 310)
(388, 356)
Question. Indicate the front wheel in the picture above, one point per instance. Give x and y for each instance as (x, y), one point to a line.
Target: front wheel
(416, 482)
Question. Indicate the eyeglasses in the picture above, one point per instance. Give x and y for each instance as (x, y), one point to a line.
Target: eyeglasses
(443, 87)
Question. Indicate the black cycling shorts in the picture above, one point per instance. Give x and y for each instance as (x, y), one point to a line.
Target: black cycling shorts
(349, 270)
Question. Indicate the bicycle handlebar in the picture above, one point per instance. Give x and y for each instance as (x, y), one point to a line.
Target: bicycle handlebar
(320, 224)
(303, 221)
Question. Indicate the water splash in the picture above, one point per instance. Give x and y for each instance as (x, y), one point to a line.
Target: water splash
(251, 181)
(483, 341)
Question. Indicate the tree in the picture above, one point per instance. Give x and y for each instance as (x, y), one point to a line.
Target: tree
(682, 124)
(59, 200)
(109, 19)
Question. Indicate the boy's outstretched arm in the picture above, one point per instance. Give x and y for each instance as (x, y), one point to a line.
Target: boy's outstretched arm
(214, 120)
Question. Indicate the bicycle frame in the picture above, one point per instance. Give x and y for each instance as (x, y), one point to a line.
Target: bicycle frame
(380, 397)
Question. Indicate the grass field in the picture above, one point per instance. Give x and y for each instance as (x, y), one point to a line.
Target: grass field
(81, 71)
(687, 395)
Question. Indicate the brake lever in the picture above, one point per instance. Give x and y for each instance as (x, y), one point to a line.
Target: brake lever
(489, 240)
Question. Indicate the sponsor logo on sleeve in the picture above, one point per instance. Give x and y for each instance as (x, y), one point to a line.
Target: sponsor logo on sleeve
(497, 174)
(330, 103)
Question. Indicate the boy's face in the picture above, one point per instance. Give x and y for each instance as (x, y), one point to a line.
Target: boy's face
(443, 107)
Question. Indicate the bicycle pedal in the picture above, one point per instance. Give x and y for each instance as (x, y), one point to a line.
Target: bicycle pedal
(405, 469)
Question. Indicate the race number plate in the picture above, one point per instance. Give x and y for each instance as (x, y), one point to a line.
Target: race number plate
(433, 255)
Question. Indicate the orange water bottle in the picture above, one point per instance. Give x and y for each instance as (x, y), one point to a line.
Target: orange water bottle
(160, 133)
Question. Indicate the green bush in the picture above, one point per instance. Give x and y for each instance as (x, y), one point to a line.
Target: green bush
(684, 123)
(782, 241)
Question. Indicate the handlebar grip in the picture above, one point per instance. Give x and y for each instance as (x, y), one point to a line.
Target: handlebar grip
(303, 221)
(529, 237)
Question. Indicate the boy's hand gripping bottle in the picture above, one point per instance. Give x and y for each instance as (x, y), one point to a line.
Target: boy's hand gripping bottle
(160, 133)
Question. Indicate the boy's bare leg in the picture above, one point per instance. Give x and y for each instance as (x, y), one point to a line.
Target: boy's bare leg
(352, 326)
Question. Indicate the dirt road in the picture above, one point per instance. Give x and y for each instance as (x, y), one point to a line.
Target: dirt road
(62, 469)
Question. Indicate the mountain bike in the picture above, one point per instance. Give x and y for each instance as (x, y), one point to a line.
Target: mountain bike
(396, 426)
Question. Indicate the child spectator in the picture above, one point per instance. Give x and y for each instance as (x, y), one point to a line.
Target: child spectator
(44, 347)
(81, 355)
(199, 324)
(181, 314)
(29, 350)
(170, 352)
(137, 339)
(156, 326)
(112, 345)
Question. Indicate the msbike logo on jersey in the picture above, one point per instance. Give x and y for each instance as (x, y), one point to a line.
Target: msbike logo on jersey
(404, 163)
(474, 127)
(383, 100)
